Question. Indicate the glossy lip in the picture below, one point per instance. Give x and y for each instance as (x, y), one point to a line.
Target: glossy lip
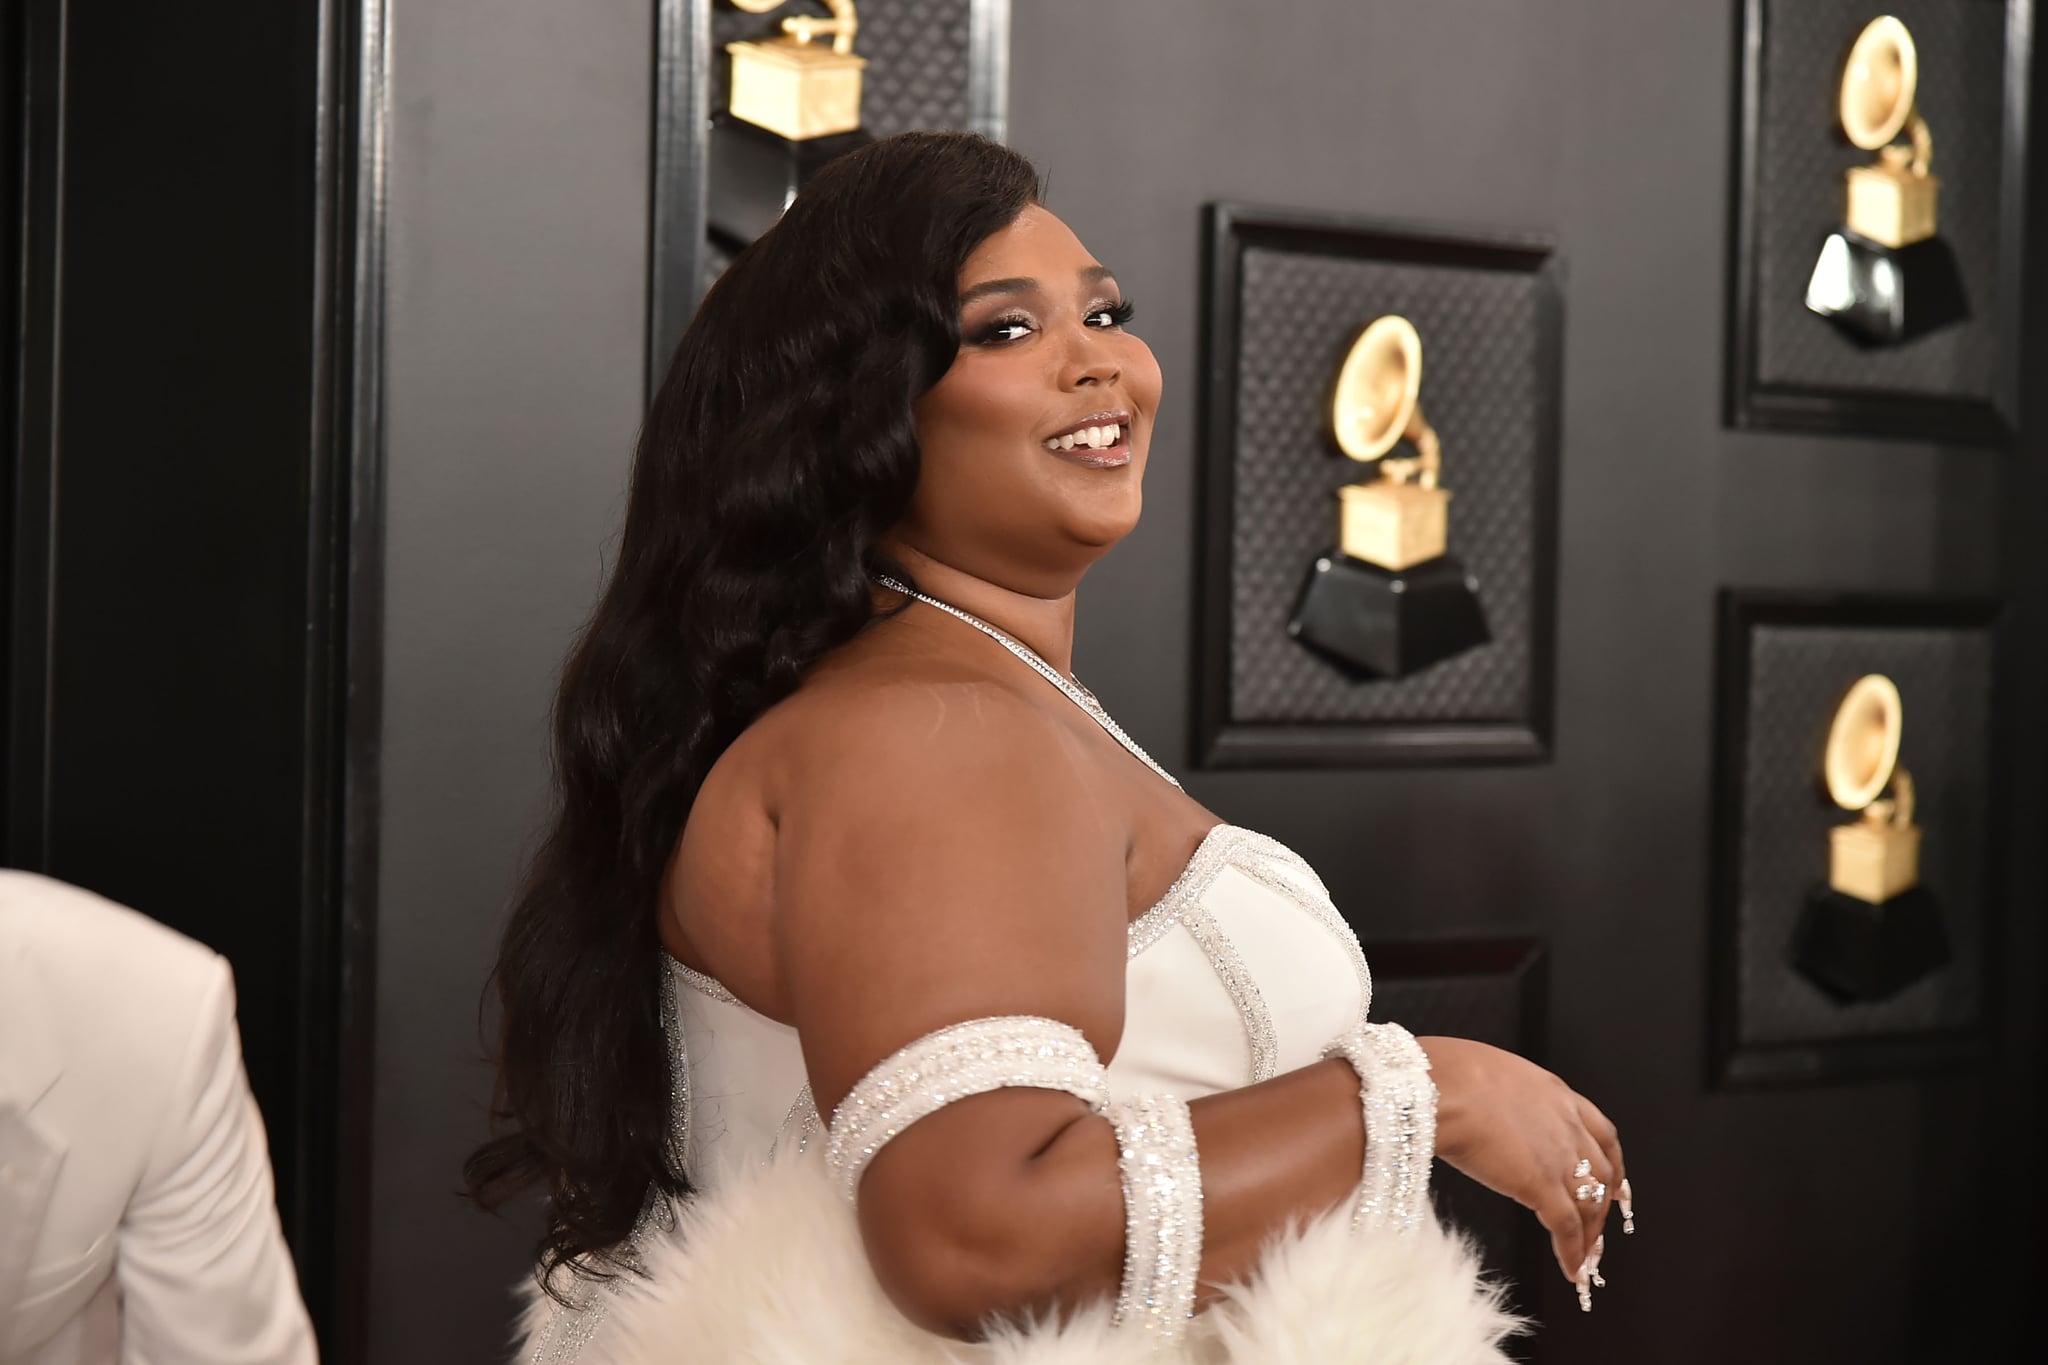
(1110, 457)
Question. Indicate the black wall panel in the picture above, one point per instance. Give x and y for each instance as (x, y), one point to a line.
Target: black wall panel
(1786, 664)
(178, 529)
(1792, 367)
(1287, 297)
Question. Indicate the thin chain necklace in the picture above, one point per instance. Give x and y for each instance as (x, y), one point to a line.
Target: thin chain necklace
(1075, 693)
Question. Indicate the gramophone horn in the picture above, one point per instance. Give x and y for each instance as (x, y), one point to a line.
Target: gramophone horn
(1377, 388)
(1878, 83)
(1863, 742)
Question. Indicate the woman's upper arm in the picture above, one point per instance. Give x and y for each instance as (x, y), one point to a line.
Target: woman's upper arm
(942, 860)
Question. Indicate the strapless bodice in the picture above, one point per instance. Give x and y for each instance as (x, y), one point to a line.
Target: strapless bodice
(1243, 970)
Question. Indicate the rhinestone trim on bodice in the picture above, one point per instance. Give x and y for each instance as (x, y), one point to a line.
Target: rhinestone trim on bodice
(1266, 861)
(1279, 869)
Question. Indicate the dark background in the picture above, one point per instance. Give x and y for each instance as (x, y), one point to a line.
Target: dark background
(308, 490)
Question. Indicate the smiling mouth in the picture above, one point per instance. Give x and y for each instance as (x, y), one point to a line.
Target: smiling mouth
(1101, 441)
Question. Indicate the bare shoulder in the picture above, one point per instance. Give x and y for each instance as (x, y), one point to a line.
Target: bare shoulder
(940, 855)
(890, 727)
(870, 761)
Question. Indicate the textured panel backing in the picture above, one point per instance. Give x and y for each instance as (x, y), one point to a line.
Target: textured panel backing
(1797, 676)
(1801, 158)
(917, 51)
(1481, 375)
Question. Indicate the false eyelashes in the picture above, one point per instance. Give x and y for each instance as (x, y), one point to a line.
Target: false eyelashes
(994, 331)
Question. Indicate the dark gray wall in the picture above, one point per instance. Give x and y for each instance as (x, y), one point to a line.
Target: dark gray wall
(517, 279)
(517, 272)
(1774, 1223)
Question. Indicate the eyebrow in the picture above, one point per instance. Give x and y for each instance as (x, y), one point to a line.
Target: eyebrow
(1024, 284)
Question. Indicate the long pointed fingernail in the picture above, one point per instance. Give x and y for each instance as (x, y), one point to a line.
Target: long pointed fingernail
(1627, 1199)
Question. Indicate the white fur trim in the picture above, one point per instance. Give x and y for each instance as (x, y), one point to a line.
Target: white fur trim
(769, 1270)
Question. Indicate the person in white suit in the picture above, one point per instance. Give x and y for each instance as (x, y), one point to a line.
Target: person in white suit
(138, 1224)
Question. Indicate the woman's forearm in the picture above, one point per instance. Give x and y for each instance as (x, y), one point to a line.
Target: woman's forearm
(1281, 1151)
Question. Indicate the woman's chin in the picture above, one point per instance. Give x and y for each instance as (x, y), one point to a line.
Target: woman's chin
(1106, 518)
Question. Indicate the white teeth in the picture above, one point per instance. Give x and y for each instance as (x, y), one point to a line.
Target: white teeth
(1091, 438)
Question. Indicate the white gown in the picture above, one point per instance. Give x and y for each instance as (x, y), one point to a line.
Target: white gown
(1243, 970)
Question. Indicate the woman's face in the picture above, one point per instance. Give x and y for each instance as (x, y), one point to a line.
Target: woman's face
(1034, 442)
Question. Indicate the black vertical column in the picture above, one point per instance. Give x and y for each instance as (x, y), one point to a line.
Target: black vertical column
(184, 443)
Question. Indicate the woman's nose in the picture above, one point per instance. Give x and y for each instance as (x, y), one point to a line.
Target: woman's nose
(1089, 362)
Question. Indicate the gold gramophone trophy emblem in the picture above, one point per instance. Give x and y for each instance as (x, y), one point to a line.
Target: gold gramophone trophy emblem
(1390, 599)
(1885, 276)
(794, 85)
(1873, 929)
(795, 104)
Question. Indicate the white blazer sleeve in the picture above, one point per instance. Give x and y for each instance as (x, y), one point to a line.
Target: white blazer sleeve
(205, 1276)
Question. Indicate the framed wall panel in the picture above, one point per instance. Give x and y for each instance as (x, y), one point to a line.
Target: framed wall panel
(1785, 662)
(931, 64)
(1789, 368)
(1285, 295)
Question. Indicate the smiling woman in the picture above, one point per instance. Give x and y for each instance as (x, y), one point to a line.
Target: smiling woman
(1044, 366)
(839, 834)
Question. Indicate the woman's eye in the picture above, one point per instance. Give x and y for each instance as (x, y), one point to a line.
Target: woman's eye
(1109, 315)
(1004, 330)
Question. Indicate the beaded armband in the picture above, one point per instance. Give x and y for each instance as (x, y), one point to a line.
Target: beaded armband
(1162, 1178)
(921, 1078)
(1399, 1100)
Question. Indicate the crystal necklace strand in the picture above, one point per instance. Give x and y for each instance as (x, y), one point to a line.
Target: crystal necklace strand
(1075, 693)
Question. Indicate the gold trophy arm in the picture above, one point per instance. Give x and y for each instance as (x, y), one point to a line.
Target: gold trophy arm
(843, 24)
(1902, 799)
(1915, 158)
(1427, 446)
(1923, 143)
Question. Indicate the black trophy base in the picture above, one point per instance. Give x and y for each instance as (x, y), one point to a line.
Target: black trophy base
(1859, 952)
(1386, 623)
(1881, 295)
(753, 174)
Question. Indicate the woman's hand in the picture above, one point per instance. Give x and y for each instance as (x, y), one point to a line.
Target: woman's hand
(1522, 1132)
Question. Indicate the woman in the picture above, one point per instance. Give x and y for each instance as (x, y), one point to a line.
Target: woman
(840, 838)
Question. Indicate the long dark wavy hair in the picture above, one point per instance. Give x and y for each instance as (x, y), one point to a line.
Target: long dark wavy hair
(777, 452)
